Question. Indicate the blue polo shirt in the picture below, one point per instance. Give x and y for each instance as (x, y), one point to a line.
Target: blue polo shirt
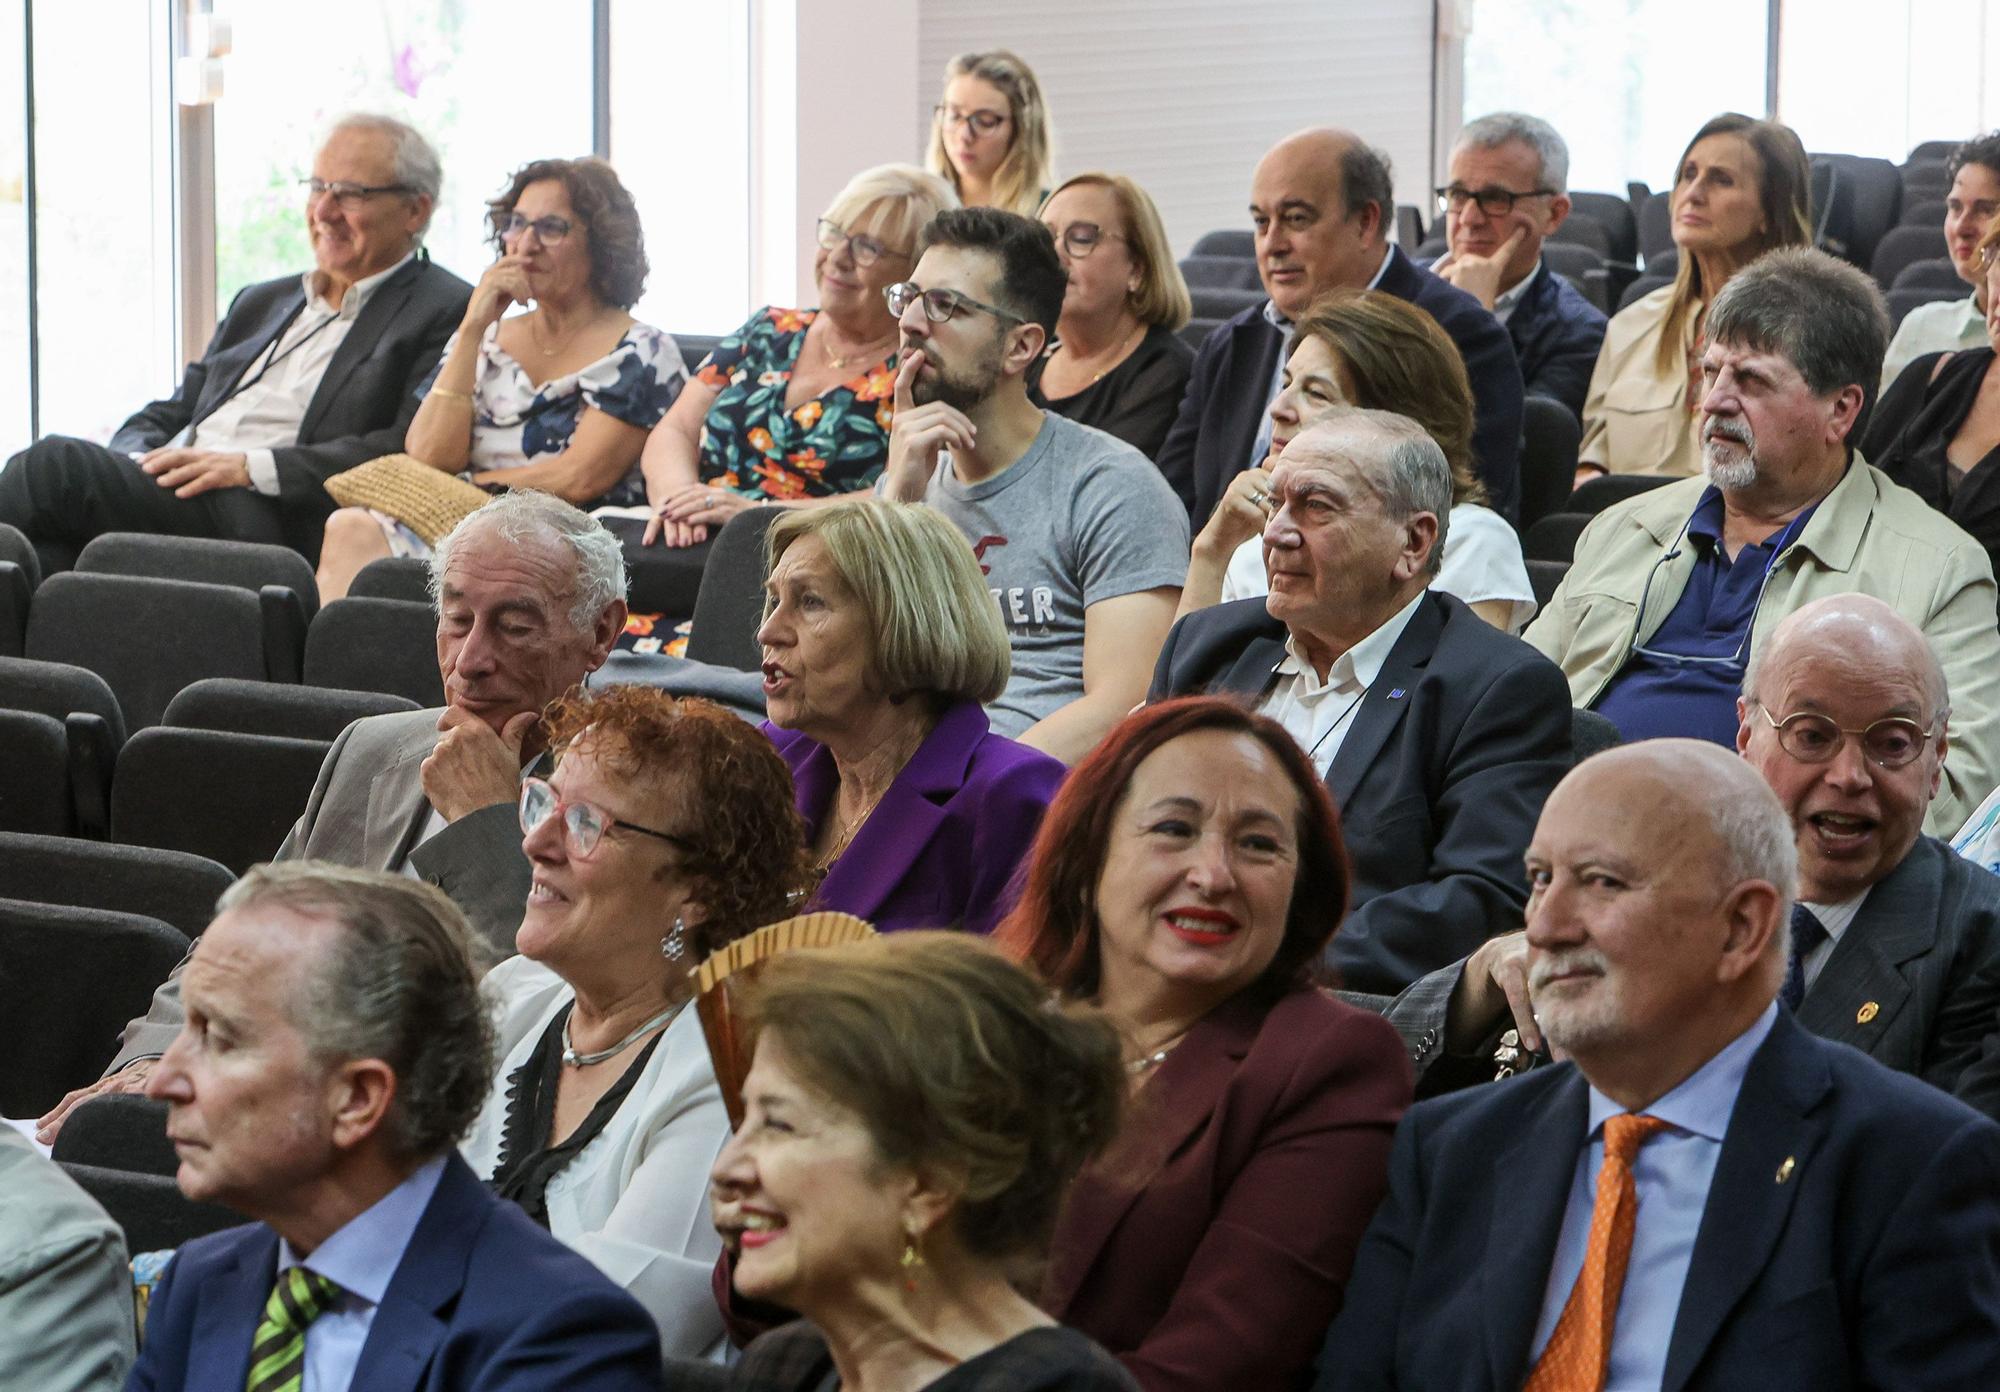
(1657, 692)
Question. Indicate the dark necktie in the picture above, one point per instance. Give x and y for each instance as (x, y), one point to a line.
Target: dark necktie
(1807, 933)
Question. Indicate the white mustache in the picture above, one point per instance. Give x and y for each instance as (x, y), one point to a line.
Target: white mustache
(1731, 430)
(1549, 967)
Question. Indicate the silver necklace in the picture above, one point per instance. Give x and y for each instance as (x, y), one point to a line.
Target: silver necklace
(1157, 1057)
(572, 1059)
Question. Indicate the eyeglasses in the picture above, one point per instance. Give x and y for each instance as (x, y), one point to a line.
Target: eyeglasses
(982, 122)
(1494, 202)
(865, 250)
(548, 230)
(1814, 739)
(1737, 659)
(583, 825)
(349, 196)
(939, 305)
(1079, 239)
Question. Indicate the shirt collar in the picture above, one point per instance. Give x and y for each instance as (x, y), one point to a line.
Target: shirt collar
(1504, 302)
(1275, 319)
(1835, 918)
(1705, 522)
(362, 1255)
(1355, 669)
(1969, 309)
(357, 294)
(1388, 255)
(1701, 1102)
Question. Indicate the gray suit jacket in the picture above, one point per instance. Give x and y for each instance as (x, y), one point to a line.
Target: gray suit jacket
(367, 810)
(1914, 983)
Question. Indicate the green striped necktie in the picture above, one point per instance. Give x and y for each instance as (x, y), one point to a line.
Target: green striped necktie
(278, 1353)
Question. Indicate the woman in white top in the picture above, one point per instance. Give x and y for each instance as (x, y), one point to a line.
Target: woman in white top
(1370, 349)
(666, 830)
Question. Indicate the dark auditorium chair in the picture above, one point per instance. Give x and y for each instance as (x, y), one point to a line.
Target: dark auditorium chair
(1925, 212)
(694, 348)
(150, 1209)
(1613, 213)
(1601, 493)
(35, 795)
(1543, 577)
(178, 889)
(1642, 287)
(1229, 241)
(1572, 259)
(1924, 179)
(1215, 302)
(1409, 224)
(70, 980)
(93, 728)
(1931, 275)
(1549, 439)
(20, 574)
(1905, 298)
(149, 637)
(1582, 230)
(377, 645)
(1902, 247)
(1656, 225)
(1869, 192)
(394, 577)
(1664, 263)
(272, 708)
(118, 1131)
(248, 565)
(1221, 272)
(730, 608)
(1591, 733)
(1195, 332)
(212, 793)
(1554, 538)
(1932, 150)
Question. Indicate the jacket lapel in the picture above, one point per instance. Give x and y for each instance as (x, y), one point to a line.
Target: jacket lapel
(397, 807)
(227, 1310)
(1897, 921)
(408, 1326)
(1386, 700)
(369, 325)
(236, 361)
(1771, 1138)
(1535, 1171)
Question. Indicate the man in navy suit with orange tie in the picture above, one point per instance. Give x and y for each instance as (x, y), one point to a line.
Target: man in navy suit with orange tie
(1705, 1196)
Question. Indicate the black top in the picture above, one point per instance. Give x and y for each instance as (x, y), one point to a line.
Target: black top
(794, 1358)
(1135, 400)
(1912, 425)
(527, 1161)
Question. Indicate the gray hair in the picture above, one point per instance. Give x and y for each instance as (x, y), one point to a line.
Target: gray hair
(1498, 128)
(415, 159)
(397, 983)
(1411, 472)
(1365, 178)
(1822, 315)
(528, 515)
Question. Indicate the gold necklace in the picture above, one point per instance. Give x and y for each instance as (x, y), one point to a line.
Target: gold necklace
(867, 352)
(1118, 355)
(849, 829)
(534, 333)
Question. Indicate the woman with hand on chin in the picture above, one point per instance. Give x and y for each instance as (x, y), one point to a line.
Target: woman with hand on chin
(794, 407)
(558, 399)
(1187, 880)
(1117, 362)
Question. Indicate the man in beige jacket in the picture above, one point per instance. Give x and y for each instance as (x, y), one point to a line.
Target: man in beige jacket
(1672, 591)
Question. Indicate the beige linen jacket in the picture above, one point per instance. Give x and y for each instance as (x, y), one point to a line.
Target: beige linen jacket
(1635, 418)
(1868, 535)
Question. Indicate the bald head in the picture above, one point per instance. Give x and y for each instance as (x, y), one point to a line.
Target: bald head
(1319, 202)
(1855, 632)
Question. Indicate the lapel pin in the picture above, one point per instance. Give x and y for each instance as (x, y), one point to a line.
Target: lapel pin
(1396, 693)
(1785, 1170)
(1868, 1011)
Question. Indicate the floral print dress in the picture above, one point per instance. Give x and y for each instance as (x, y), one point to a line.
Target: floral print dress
(838, 442)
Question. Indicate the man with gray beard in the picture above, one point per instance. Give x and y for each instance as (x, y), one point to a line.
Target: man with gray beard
(1673, 592)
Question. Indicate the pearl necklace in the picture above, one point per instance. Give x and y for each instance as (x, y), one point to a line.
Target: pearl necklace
(572, 1059)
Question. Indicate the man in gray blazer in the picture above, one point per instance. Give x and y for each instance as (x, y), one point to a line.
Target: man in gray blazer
(531, 596)
(1896, 940)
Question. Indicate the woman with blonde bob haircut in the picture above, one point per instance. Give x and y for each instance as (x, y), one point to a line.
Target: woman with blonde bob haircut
(881, 643)
(1117, 362)
(990, 133)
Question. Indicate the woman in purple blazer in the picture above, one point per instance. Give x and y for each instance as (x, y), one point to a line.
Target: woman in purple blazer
(881, 643)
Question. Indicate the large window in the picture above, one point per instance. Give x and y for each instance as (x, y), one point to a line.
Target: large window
(16, 407)
(1876, 77)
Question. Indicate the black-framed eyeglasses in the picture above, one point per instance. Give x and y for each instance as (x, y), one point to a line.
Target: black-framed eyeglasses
(583, 825)
(1494, 202)
(865, 250)
(940, 305)
(982, 122)
(548, 230)
(1812, 738)
(1737, 660)
(348, 195)
(1079, 239)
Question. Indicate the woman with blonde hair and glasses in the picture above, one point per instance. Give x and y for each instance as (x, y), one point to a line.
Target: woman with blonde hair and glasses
(1117, 362)
(990, 133)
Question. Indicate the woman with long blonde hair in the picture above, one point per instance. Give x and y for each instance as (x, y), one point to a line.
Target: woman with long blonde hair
(990, 133)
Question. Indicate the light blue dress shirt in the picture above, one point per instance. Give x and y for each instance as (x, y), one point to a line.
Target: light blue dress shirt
(360, 1258)
(1671, 1174)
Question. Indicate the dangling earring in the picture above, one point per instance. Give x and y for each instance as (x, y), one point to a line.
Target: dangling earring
(673, 946)
(913, 1258)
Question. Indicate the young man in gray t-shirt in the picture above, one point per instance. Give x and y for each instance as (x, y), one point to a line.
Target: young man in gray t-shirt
(1083, 543)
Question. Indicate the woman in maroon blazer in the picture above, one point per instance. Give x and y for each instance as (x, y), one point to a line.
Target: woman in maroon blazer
(1186, 879)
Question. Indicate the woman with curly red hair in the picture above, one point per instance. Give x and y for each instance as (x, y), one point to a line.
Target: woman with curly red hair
(1187, 880)
(666, 831)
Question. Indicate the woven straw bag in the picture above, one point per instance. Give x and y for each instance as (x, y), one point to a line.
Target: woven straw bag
(428, 501)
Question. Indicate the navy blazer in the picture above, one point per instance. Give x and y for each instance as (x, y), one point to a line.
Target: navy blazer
(1440, 779)
(1229, 391)
(483, 1299)
(942, 847)
(1557, 334)
(1851, 1236)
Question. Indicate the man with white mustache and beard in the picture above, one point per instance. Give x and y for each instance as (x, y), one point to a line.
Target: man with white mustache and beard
(1705, 1195)
(1673, 593)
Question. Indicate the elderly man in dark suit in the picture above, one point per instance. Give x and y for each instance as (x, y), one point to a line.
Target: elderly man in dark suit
(1896, 941)
(1321, 203)
(1438, 734)
(1508, 194)
(306, 376)
(1705, 1196)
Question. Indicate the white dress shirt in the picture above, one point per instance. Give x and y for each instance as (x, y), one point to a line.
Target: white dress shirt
(266, 414)
(1318, 714)
(1944, 326)
(1835, 918)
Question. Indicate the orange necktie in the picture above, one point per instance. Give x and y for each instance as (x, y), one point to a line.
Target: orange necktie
(1580, 1348)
